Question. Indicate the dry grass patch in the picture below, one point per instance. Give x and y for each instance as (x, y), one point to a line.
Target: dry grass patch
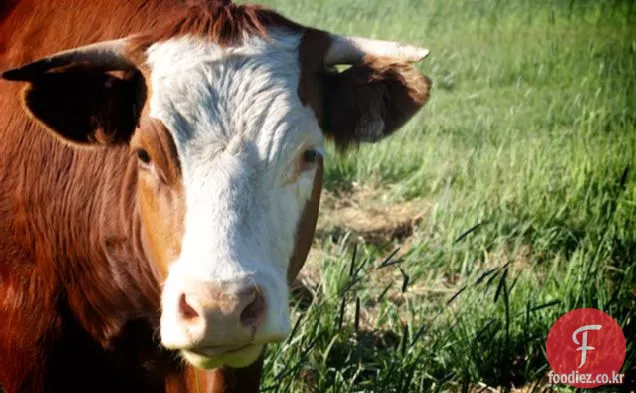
(369, 216)
(363, 215)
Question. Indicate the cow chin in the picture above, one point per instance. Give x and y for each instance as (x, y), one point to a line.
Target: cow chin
(237, 358)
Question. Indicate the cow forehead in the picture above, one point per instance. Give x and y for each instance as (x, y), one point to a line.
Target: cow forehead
(242, 100)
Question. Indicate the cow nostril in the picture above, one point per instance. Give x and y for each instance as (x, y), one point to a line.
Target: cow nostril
(186, 310)
(253, 314)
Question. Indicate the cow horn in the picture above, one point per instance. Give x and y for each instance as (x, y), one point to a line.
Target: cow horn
(107, 55)
(351, 50)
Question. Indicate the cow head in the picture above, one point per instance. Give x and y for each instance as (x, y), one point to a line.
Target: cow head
(225, 109)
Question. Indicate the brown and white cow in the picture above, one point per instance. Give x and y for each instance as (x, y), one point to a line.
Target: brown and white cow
(160, 171)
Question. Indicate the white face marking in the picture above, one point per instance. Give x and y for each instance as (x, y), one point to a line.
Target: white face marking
(238, 125)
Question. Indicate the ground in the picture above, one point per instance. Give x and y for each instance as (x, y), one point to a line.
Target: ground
(445, 253)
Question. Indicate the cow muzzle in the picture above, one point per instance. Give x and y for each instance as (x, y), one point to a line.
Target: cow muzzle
(214, 323)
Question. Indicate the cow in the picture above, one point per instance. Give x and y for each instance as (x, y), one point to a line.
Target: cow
(160, 172)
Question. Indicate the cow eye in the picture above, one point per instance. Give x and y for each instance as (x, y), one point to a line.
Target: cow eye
(143, 156)
(310, 156)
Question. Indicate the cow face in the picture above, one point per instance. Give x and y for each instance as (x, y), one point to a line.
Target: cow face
(250, 156)
(228, 139)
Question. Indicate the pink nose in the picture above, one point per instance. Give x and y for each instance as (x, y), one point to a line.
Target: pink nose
(218, 313)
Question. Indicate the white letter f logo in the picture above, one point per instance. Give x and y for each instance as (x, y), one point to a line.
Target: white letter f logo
(584, 347)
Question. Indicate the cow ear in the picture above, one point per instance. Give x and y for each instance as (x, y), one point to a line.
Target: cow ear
(85, 96)
(85, 106)
(371, 99)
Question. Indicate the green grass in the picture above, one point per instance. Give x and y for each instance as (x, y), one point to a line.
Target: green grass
(529, 140)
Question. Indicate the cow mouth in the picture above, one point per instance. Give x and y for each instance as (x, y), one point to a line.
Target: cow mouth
(214, 351)
(213, 357)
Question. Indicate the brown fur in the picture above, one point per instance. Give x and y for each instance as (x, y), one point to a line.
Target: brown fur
(377, 91)
(311, 52)
(306, 228)
(225, 25)
(80, 271)
(162, 200)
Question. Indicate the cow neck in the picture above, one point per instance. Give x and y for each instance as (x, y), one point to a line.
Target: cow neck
(235, 380)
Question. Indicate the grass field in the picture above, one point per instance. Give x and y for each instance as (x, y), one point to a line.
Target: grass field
(520, 191)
